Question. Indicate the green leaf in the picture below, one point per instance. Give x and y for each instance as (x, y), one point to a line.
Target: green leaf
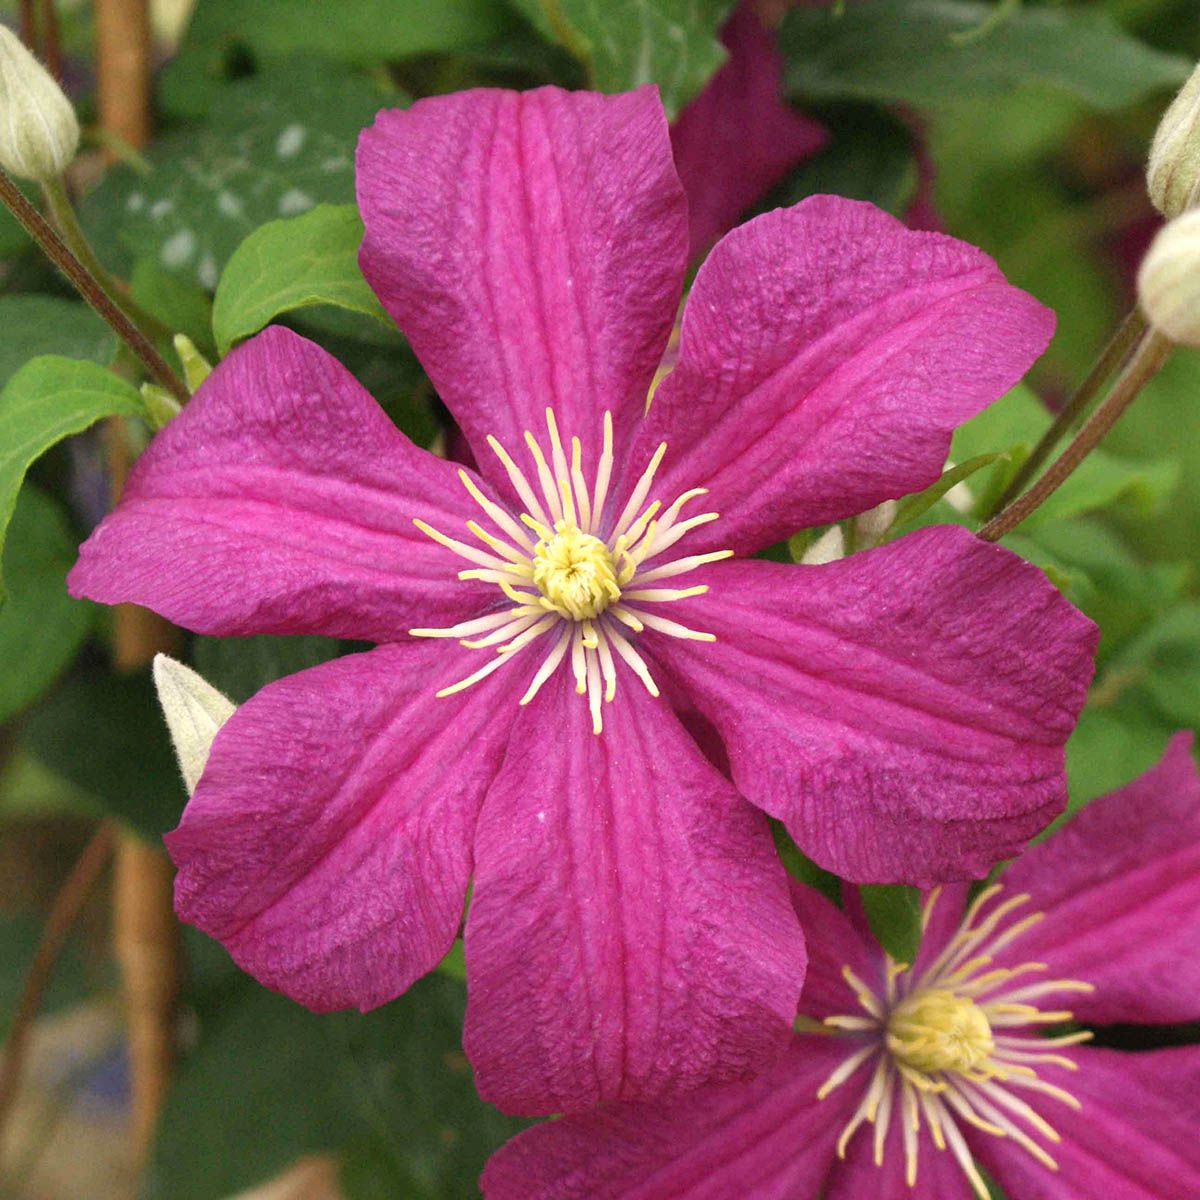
(916, 505)
(454, 965)
(273, 146)
(47, 400)
(1110, 746)
(869, 156)
(104, 733)
(181, 306)
(1164, 416)
(41, 627)
(239, 666)
(353, 31)
(268, 1081)
(894, 914)
(1074, 584)
(290, 264)
(1119, 591)
(360, 31)
(1163, 664)
(1014, 424)
(37, 325)
(29, 789)
(625, 43)
(904, 51)
(801, 867)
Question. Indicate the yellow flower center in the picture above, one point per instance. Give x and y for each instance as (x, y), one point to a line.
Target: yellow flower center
(575, 572)
(936, 1030)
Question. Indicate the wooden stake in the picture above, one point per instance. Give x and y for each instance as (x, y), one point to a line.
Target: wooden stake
(123, 68)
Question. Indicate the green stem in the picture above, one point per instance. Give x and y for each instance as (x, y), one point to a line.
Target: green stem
(62, 213)
(89, 287)
(1127, 334)
(1150, 354)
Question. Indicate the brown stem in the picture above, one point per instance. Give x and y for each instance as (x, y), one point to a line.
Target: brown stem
(62, 214)
(63, 914)
(1127, 334)
(25, 26)
(51, 45)
(1150, 354)
(88, 287)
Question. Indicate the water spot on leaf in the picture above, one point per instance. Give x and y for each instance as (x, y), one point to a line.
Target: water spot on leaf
(288, 144)
(178, 248)
(293, 202)
(228, 204)
(207, 272)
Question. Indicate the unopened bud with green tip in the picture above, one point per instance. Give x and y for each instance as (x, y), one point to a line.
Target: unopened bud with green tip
(1169, 280)
(1174, 168)
(194, 711)
(196, 368)
(39, 132)
(161, 406)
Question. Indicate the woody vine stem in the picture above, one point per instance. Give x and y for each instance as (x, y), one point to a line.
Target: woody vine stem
(89, 286)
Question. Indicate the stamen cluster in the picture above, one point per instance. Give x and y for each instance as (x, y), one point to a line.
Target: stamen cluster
(565, 566)
(941, 1046)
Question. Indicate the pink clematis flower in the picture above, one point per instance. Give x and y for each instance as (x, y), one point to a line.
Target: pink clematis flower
(547, 621)
(738, 137)
(933, 1069)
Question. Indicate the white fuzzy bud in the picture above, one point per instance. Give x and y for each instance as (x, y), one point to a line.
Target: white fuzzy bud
(875, 522)
(829, 547)
(39, 133)
(194, 711)
(1174, 168)
(1169, 280)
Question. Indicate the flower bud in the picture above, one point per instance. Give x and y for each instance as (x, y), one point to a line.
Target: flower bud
(875, 522)
(196, 368)
(829, 547)
(38, 130)
(1174, 168)
(194, 711)
(1169, 280)
(161, 406)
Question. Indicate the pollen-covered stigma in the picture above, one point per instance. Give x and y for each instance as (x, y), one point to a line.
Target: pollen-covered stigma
(956, 1043)
(568, 569)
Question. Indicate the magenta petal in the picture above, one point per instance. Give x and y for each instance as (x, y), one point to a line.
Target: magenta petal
(532, 247)
(281, 500)
(827, 354)
(903, 711)
(328, 843)
(833, 942)
(630, 934)
(939, 1177)
(769, 1139)
(1120, 886)
(1133, 1137)
(738, 137)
